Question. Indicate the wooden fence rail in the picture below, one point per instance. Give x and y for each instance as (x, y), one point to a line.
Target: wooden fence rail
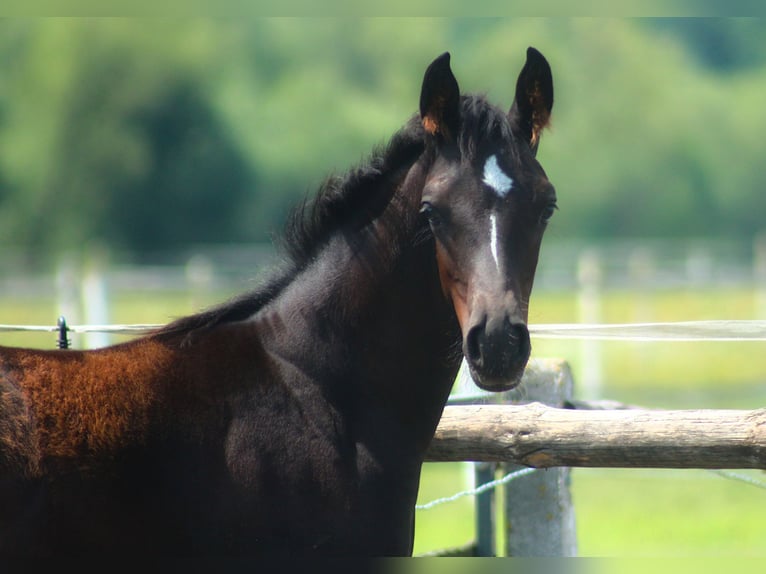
(534, 426)
(541, 436)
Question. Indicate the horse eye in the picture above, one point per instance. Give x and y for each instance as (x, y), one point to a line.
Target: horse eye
(432, 214)
(548, 212)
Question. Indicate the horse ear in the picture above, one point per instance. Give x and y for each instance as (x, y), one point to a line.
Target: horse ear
(440, 99)
(531, 109)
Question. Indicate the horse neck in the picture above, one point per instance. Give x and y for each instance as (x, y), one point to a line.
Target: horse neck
(379, 310)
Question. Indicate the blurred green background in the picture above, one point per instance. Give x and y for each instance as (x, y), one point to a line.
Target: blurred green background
(149, 134)
(145, 158)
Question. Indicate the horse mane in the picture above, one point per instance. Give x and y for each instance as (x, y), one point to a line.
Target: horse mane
(349, 200)
(353, 199)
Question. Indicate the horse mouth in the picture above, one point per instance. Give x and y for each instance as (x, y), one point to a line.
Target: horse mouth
(497, 383)
(497, 358)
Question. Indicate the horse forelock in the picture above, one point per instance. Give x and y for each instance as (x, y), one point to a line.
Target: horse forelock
(482, 123)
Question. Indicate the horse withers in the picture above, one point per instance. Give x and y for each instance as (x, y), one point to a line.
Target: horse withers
(293, 420)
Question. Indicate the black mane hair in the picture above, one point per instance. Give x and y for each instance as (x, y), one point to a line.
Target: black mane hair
(348, 201)
(352, 199)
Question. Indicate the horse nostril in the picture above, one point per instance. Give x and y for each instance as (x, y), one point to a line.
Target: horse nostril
(520, 339)
(473, 344)
(496, 348)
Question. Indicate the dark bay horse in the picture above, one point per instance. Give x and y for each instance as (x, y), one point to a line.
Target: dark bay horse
(293, 420)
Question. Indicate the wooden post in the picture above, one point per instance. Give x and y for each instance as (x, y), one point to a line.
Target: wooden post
(67, 293)
(699, 267)
(199, 277)
(466, 392)
(486, 524)
(95, 298)
(759, 274)
(641, 270)
(589, 274)
(539, 515)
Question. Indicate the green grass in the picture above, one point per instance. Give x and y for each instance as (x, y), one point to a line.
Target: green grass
(619, 512)
(448, 525)
(640, 512)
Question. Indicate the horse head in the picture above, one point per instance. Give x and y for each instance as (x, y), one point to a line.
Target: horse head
(487, 201)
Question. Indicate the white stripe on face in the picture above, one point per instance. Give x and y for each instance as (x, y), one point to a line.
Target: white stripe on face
(493, 239)
(496, 178)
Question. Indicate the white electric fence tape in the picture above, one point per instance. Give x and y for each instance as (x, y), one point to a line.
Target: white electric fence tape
(723, 330)
(679, 331)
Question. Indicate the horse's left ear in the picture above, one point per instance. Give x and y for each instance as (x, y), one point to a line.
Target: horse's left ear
(531, 110)
(440, 99)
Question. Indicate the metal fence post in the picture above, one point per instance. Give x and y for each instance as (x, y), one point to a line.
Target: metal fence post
(485, 510)
(590, 276)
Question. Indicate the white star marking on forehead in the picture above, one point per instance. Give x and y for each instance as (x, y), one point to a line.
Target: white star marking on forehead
(496, 178)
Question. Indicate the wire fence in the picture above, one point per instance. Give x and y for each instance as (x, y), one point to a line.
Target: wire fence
(511, 476)
(479, 489)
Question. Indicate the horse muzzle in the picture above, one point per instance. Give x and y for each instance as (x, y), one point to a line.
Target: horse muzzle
(497, 350)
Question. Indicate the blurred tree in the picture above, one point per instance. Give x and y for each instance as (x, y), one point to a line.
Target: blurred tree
(153, 134)
(128, 151)
(154, 167)
(724, 44)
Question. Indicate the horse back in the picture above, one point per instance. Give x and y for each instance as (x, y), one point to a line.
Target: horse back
(58, 406)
